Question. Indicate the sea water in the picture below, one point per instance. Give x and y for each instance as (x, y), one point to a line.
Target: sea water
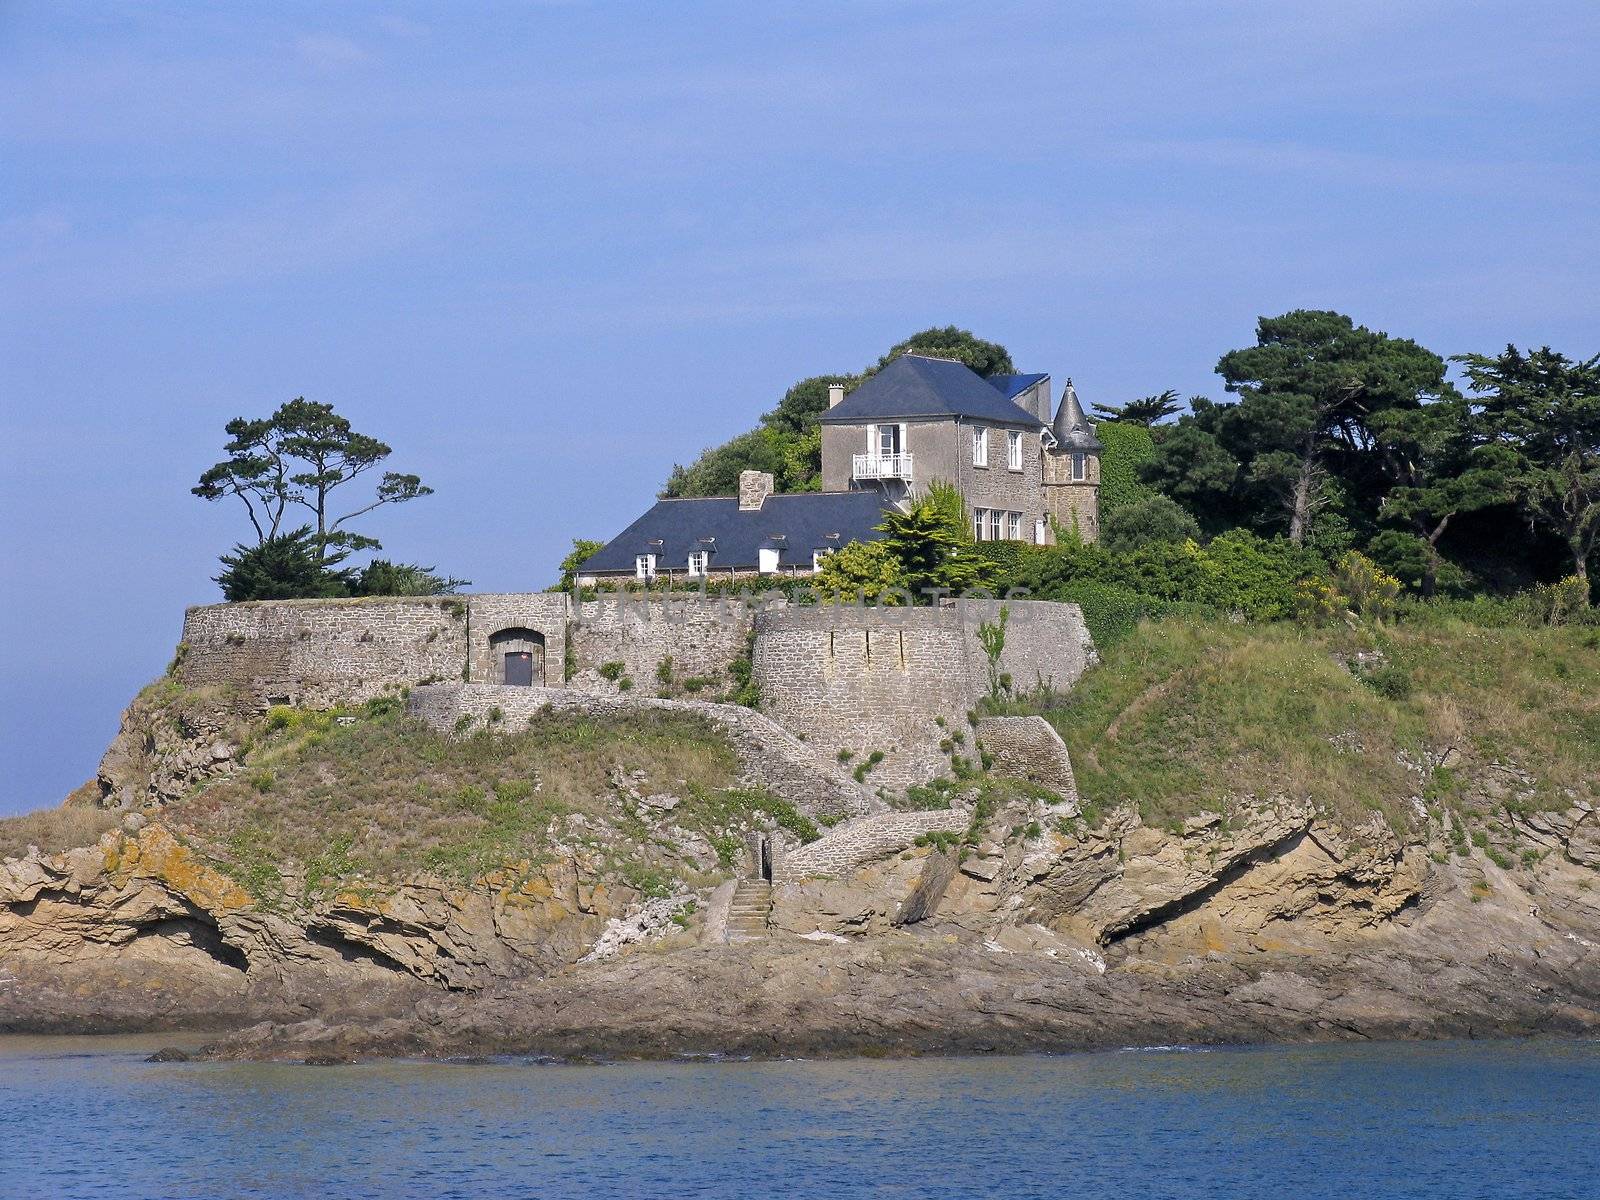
(86, 1117)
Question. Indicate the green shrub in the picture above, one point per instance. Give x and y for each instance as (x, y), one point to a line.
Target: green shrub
(612, 670)
(1153, 519)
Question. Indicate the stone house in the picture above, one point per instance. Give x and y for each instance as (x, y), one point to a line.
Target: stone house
(1022, 470)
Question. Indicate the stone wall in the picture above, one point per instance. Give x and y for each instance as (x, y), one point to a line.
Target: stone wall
(898, 682)
(769, 756)
(1029, 748)
(319, 653)
(702, 637)
(543, 613)
(847, 846)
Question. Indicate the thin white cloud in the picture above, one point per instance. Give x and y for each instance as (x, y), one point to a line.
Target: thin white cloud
(330, 52)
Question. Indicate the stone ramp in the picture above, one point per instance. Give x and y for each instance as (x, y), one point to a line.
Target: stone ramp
(769, 755)
(853, 843)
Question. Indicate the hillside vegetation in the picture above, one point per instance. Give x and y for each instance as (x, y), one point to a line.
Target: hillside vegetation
(1447, 718)
(355, 796)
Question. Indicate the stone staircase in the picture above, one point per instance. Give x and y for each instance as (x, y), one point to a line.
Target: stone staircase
(750, 910)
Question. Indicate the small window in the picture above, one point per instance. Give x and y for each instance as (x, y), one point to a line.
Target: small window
(769, 560)
(980, 524)
(1079, 465)
(699, 563)
(997, 526)
(1014, 451)
(817, 556)
(644, 566)
(980, 447)
(1014, 526)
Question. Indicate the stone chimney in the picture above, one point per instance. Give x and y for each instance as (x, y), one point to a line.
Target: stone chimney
(754, 488)
(835, 394)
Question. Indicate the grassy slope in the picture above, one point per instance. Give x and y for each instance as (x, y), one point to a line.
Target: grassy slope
(383, 797)
(1183, 715)
(369, 795)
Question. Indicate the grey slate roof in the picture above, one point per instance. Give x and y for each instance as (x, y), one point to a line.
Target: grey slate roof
(1012, 386)
(804, 519)
(913, 386)
(1071, 428)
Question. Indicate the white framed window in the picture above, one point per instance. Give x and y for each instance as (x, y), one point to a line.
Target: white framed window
(1080, 465)
(1013, 451)
(644, 566)
(997, 525)
(768, 560)
(1014, 526)
(980, 524)
(891, 440)
(699, 563)
(980, 446)
(818, 555)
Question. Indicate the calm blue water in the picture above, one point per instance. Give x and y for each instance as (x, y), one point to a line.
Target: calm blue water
(1507, 1120)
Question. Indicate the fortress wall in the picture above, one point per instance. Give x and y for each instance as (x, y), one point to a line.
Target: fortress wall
(1046, 643)
(857, 680)
(866, 680)
(702, 636)
(319, 653)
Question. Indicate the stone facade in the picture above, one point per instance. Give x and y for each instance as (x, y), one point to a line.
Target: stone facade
(1073, 503)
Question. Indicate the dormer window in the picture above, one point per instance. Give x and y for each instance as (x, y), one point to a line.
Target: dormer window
(768, 560)
(980, 446)
(699, 563)
(817, 556)
(1013, 451)
(644, 566)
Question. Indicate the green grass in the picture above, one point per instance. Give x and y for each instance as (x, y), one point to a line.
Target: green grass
(385, 797)
(1185, 715)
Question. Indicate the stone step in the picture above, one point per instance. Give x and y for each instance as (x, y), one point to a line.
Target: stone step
(749, 910)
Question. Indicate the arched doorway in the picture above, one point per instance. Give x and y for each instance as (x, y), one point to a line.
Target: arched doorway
(518, 657)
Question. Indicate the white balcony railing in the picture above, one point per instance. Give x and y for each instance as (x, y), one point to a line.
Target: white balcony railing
(882, 466)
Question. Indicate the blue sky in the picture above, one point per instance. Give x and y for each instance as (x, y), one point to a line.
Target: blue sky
(547, 250)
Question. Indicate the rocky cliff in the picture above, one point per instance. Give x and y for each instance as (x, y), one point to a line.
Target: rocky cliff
(352, 883)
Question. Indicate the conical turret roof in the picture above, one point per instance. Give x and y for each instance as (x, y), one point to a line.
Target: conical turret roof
(1071, 428)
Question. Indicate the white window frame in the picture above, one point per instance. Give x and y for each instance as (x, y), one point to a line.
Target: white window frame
(1014, 527)
(980, 446)
(997, 525)
(818, 555)
(1080, 466)
(1013, 450)
(980, 524)
(644, 566)
(699, 563)
(767, 560)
